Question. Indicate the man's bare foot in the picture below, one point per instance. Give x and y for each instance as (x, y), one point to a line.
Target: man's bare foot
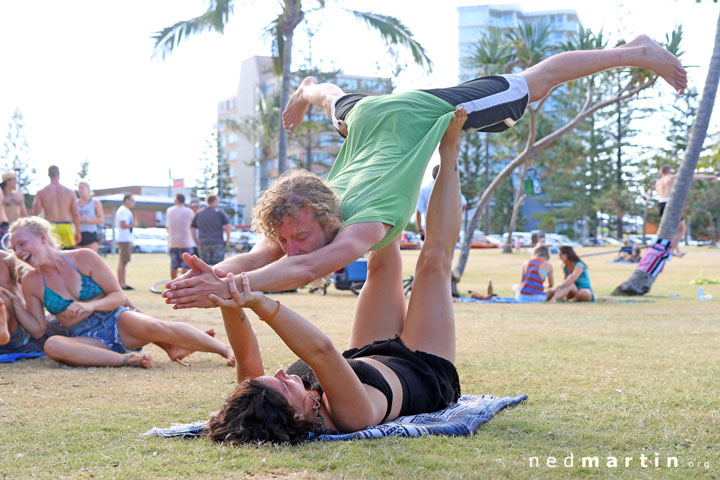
(680, 254)
(138, 360)
(490, 288)
(661, 61)
(4, 332)
(176, 353)
(294, 112)
(479, 296)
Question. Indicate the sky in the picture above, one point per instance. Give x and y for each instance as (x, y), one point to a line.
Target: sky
(83, 76)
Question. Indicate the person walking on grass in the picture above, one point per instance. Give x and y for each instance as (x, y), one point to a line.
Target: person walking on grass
(58, 205)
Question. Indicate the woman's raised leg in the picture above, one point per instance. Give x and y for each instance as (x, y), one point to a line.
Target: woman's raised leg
(380, 309)
(430, 321)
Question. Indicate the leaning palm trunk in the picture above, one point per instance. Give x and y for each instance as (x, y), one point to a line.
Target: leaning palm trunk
(641, 281)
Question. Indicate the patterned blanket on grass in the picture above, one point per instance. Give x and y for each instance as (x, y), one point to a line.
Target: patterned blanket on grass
(461, 418)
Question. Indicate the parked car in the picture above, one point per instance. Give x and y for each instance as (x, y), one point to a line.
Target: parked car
(610, 241)
(525, 238)
(148, 242)
(410, 241)
(480, 240)
(557, 240)
(638, 240)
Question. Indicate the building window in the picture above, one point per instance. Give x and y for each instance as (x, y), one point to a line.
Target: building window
(232, 155)
(221, 107)
(232, 138)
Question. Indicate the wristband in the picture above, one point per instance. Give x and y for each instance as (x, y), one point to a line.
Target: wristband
(271, 316)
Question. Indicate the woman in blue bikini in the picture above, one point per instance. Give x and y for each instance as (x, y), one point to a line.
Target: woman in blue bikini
(79, 288)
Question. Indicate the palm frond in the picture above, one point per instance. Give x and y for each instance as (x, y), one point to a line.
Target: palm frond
(532, 42)
(491, 54)
(273, 33)
(215, 18)
(394, 32)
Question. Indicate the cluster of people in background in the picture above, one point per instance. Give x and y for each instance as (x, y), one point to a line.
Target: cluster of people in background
(89, 320)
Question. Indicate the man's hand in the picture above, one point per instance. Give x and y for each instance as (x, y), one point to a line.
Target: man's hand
(193, 288)
(451, 138)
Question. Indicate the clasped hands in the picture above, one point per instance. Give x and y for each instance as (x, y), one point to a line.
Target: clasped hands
(204, 287)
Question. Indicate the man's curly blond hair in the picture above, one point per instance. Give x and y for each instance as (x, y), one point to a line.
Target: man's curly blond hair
(291, 192)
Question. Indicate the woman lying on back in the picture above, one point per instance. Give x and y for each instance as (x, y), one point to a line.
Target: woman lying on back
(399, 362)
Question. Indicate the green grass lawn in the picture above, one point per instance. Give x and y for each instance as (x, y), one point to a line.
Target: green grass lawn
(606, 380)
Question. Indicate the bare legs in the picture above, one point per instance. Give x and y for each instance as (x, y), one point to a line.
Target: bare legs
(380, 309)
(309, 92)
(121, 273)
(676, 239)
(136, 330)
(642, 52)
(430, 321)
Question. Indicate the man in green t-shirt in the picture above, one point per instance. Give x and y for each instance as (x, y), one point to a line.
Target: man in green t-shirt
(378, 172)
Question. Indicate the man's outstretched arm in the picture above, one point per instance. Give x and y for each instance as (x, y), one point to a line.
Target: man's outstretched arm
(284, 274)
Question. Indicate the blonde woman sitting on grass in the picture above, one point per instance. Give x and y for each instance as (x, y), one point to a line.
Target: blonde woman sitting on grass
(78, 287)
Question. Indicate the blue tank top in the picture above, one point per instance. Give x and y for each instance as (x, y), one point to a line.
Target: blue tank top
(532, 281)
(56, 304)
(583, 281)
(89, 211)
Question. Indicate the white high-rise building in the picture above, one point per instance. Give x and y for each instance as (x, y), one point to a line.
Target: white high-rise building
(475, 20)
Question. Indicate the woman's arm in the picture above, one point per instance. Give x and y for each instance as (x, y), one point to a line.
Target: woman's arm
(550, 279)
(243, 342)
(345, 396)
(99, 215)
(91, 264)
(577, 271)
(35, 318)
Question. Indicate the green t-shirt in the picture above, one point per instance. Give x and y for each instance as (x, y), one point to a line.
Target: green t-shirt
(380, 167)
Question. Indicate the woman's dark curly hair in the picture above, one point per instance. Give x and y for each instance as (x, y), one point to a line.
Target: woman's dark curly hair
(256, 413)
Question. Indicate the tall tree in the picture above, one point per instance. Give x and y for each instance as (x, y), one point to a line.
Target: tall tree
(640, 281)
(16, 152)
(282, 31)
(84, 173)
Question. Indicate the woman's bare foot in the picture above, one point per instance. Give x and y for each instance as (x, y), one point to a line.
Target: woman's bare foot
(137, 360)
(294, 112)
(177, 354)
(661, 61)
(230, 356)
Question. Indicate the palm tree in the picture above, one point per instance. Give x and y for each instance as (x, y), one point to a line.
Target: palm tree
(282, 30)
(638, 80)
(640, 281)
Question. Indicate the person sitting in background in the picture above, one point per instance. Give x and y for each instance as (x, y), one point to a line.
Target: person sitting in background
(625, 253)
(79, 288)
(19, 331)
(576, 285)
(534, 273)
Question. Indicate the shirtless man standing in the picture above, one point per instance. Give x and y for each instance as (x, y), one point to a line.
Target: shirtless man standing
(664, 187)
(61, 209)
(13, 199)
